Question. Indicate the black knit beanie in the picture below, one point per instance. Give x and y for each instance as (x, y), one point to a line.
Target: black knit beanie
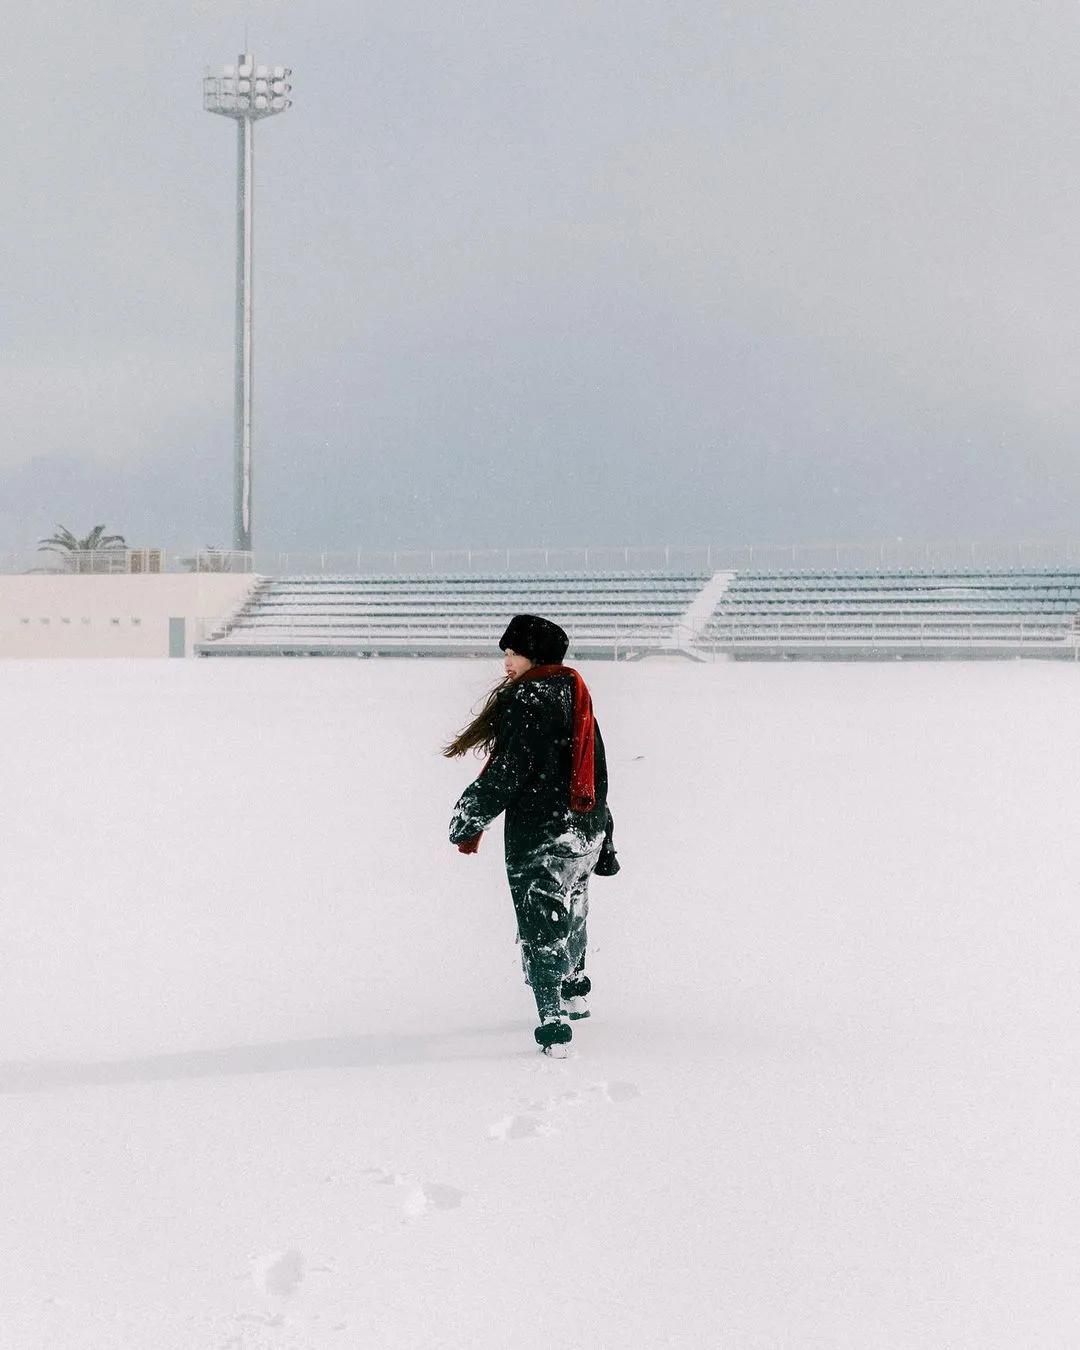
(539, 639)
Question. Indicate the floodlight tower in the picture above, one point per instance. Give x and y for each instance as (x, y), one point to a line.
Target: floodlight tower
(247, 93)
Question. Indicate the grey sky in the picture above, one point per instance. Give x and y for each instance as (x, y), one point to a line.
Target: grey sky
(550, 272)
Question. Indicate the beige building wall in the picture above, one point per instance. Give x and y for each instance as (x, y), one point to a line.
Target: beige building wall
(96, 616)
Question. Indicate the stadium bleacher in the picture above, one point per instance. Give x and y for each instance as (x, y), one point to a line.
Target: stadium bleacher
(608, 614)
(882, 613)
(745, 614)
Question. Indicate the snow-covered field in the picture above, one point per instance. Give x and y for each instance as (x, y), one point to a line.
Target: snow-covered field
(267, 1069)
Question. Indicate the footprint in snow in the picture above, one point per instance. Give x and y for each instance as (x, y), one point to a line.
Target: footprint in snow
(279, 1274)
(381, 1177)
(431, 1195)
(420, 1196)
(544, 1117)
(619, 1092)
(518, 1127)
(276, 1275)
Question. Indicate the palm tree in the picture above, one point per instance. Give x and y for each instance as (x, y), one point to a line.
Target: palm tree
(67, 545)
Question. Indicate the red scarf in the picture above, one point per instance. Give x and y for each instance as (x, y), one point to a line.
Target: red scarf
(582, 770)
(583, 746)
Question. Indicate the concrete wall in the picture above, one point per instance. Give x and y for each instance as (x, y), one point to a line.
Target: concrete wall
(96, 616)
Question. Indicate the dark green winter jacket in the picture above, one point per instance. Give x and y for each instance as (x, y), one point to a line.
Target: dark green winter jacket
(528, 777)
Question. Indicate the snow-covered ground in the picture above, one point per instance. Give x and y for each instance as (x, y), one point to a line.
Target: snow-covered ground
(267, 1069)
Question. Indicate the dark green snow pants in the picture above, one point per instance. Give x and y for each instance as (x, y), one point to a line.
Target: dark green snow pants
(551, 900)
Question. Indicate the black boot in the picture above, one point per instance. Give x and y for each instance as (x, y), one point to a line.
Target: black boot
(575, 989)
(552, 1035)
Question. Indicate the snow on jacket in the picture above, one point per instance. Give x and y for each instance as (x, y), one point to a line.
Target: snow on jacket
(528, 777)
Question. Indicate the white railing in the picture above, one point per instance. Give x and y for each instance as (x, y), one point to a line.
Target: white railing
(795, 632)
(624, 639)
(419, 562)
(890, 555)
(123, 561)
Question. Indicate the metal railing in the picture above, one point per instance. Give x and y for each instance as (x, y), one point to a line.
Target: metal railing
(419, 562)
(628, 640)
(623, 639)
(888, 555)
(884, 634)
(124, 561)
(891, 555)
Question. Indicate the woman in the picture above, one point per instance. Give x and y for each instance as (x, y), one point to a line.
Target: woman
(547, 770)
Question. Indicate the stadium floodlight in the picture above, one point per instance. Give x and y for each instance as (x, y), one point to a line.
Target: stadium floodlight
(245, 92)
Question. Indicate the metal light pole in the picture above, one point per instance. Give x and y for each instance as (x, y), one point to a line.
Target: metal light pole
(247, 93)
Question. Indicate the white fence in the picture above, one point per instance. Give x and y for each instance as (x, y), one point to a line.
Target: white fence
(414, 562)
(123, 561)
(891, 555)
(619, 639)
(722, 635)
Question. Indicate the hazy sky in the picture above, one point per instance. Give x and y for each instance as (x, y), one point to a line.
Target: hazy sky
(554, 272)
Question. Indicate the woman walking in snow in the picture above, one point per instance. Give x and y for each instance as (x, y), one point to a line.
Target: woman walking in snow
(547, 770)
